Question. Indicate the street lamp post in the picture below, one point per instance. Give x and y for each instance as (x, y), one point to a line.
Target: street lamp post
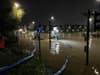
(18, 11)
(16, 6)
(88, 37)
(51, 19)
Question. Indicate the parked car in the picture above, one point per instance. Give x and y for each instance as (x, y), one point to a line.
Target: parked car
(2, 42)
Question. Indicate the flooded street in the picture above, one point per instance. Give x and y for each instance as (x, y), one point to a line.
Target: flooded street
(73, 48)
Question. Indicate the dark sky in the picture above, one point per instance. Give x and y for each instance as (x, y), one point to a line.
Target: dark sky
(64, 11)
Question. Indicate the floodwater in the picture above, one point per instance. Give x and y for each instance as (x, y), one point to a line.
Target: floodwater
(73, 48)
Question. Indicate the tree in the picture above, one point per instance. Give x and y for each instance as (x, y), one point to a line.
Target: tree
(8, 20)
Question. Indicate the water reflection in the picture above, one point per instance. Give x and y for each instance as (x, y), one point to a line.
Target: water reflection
(95, 70)
(55, 47)
(71, 43)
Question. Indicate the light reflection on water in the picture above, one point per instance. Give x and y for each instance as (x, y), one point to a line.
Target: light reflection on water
(95, 70)
(70, 43)
(77, 58)
(55, 47)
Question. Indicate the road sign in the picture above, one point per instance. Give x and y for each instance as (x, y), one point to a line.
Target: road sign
(39, 28)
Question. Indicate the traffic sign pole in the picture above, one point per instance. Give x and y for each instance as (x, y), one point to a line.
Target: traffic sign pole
(39, 30)
(39, 45)
(49, 35)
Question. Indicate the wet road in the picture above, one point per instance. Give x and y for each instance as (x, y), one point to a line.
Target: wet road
(74, 48)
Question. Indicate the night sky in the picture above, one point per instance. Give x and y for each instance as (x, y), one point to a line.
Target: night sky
(64, 11)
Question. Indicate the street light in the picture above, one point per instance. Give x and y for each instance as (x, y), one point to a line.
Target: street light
(91, 22)
(52, 17)
(16, 5)
(16, 9)
(33, 25)
(90, 19)
(33, 22)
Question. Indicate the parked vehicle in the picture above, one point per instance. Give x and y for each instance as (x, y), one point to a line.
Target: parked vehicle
(2, 42)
